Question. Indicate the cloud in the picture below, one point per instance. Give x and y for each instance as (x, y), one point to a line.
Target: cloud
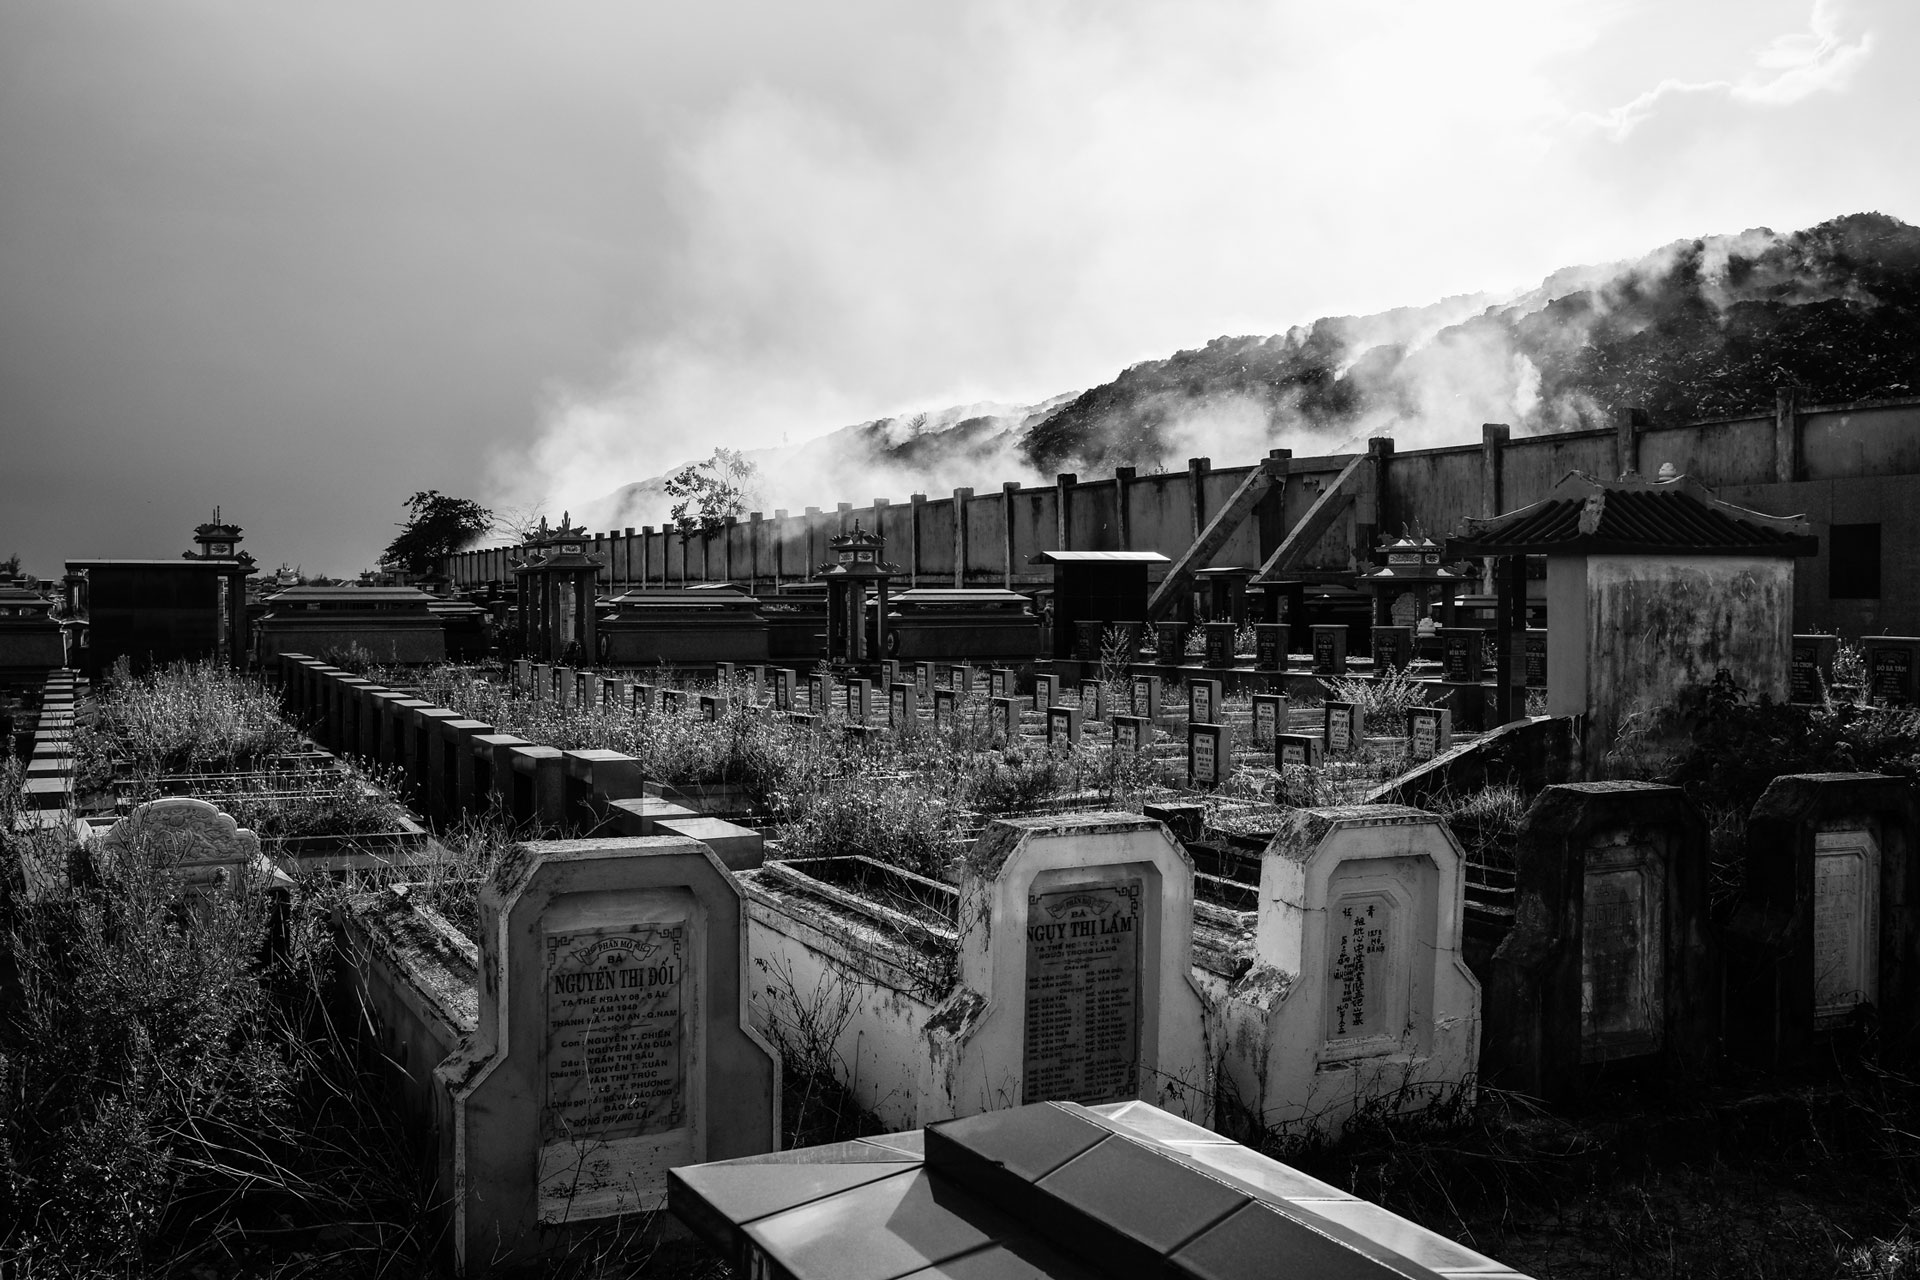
(1791, 67)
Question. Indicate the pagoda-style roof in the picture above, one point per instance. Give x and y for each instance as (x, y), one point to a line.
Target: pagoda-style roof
(856, 554)
(1585, 516)
(1096, 557)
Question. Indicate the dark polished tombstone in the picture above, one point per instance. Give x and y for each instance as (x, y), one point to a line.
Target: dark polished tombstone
(1824, 935)
(1270, 646)
(1536, 658)
(1890, 669)
(1610, 962)
(1086, 640)
(1170, 643)
(1810, 669)
(1209, 755)
(1220, 637)
(1463, 651)
(1329, 649)
(1392, 649)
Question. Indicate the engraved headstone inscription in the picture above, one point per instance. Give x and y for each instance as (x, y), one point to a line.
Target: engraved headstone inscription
(1806, 679)
(616, 1033)
(1005, 719)
(1083, 994)
(1203, 701)
(1270, 646)
(1046, 692)
(1220, 644)
(1392, 649)
(1170, 642)
(1093, 699)
(1342, 734)
(1463, 654)
(1536, 658)
(673, 701)
(1621, 958)
(712, 707)
(859, 694)
(923, 677)
(1063, 726)
(784, 680)
(945, 707)
(901, 706)
(1000, 684)
(1270, 712)
(1890, 671)
(1329, 649)
(1429, 732)
(1846, 924)
(1298, 749)
(1145, 692)
(1131, 734)
(1209, 755)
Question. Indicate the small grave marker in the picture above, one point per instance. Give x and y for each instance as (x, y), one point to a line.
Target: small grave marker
(1270, 646)
(1132, 734)
(1536, 658)
(1342, 734)
(1203, 701)
(1329, 649)
(859, 699)
(946, 707)
(1209, 755)
(1429, 732)
(1145, 693)
(923, 677)
(1219, 652)
(673, 701)
(1006, 718)
(1464, 654)
(902, 706)
(1046, 692)
(1093, 699)
(1000, 684)
(1304, 750)
(1170, 643)
(1063, 726)
(1392, 649)
(712, 707)
(784, 681)
(1270, 713)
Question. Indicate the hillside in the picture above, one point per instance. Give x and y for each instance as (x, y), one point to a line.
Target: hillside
(1696, 329)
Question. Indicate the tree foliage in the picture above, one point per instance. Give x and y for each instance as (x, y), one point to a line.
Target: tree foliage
(439, 526)
(709, 492)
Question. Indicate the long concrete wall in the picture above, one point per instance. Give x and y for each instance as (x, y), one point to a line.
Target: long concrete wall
(1857, 463)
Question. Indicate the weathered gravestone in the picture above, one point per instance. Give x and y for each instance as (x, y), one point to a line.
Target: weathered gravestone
(1203, 701)
(1429, 733)
(1000, 683)
(1463, 654)
(1357, 994)
(1810, 668)
(1046, 692)
(1131, 734)
(1143, 693)
(1093, 699)
(1005, 718)
(712, 707)
(785, 679)
(1063, 726)
(189, 841)
(1060, 969)
(1341, 734)
(946, 707)
(902, 706)
(1329, 649)
(1609, 961)
(1270, 714)
(859, 700)
(1824, 933)
(612, 1044)
(1209, 754)
(923, 677)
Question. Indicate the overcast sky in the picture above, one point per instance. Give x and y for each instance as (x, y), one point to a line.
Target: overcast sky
(302, 259)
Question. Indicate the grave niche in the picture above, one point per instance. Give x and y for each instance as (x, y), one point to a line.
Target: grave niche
(1821, 940)
(1357, 993)
(612, 1044)
(1608, 964)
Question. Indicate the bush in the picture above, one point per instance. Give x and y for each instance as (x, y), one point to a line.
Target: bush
(192, 717)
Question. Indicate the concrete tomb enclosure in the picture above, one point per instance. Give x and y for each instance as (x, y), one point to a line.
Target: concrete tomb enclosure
(611, 1043)
(1061, 967)
(1825, 928)
(1610, 959)
(1358, 992)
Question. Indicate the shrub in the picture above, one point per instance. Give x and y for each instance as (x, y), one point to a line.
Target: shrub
(186, 718)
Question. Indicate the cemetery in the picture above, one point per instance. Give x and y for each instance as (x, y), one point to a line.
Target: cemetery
(690, 913)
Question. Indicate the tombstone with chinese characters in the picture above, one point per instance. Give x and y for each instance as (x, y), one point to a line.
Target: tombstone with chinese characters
(1823, 939)
(1609, 964)
(1357, 994)
(612, 1044)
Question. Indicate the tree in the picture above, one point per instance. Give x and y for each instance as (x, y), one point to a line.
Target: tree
(438, 527)
(724, 485)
